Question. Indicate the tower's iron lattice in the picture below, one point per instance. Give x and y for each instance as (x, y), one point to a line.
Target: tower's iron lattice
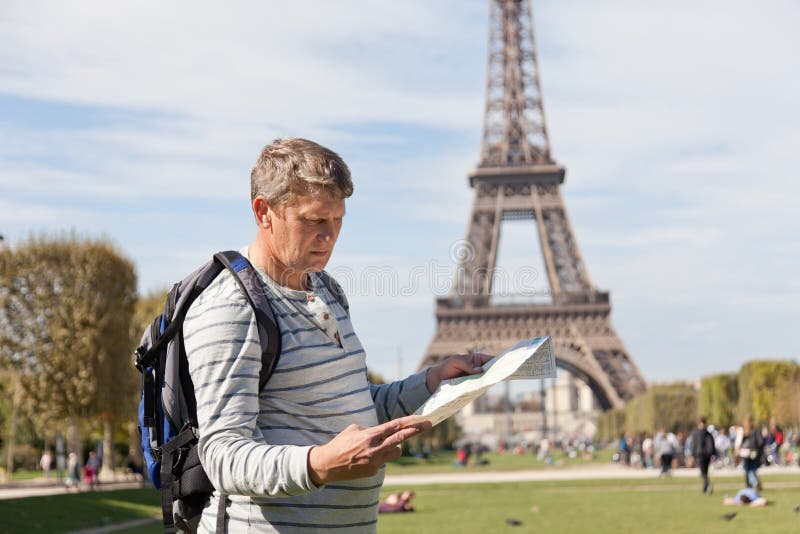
(517, 178)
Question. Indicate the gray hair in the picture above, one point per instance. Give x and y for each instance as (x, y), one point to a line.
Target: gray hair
(294, 167)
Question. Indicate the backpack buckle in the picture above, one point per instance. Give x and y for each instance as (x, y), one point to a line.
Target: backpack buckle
(137, 357)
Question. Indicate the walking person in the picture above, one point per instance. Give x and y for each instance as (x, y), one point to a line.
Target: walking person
(46, 462)
(647, 451)
(73, 471)
(751, 452)
(703, 450)
(723, 444)
(91, 469)
(624, 449)
(666, 446)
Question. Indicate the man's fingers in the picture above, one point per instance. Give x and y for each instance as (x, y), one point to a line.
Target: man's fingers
(392, 453)
(481, 359)
(469, 364)
(391, 427)
(477, 361)
(400, 436)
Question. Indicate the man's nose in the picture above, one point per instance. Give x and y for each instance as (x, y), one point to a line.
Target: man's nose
(327, 232)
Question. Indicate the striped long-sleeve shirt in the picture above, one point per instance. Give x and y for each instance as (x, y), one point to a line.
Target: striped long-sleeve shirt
(254, 445)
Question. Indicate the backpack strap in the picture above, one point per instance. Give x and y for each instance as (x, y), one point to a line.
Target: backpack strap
(250, 284)
(146, 358)
(168, 450)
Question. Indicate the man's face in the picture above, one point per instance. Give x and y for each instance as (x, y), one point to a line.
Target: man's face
(305, 231)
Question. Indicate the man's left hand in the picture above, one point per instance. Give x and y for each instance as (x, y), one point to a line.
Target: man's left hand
(454, 366)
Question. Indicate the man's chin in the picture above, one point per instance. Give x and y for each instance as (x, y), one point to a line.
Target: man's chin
(317, 263)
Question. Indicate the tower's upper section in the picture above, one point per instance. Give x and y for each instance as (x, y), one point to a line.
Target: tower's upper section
(514, 130)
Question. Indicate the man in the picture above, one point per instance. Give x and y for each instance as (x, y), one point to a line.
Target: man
(666, 444)
(723, 446)
(751, 451)
(703, 449)
(306, 454)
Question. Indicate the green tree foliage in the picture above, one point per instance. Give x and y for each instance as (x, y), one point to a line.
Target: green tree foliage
(672, 406)
(147, 308)
(719, 395)
(610, 424)
(65, 311)
(787, 398)
(765, 390)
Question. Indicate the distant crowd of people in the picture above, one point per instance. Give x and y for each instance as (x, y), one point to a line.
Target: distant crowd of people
(471, 453)
(747, 445)
(77, 476)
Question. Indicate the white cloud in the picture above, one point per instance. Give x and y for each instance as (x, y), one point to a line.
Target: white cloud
(250, 64)
(677, 124)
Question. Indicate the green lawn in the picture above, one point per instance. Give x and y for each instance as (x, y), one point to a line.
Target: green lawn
(61, 513)
(28, 475)
(442, 462)
(596, 506)
(611, 506)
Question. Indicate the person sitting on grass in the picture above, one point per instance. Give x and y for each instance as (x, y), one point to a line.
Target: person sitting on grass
(397, 502)
(746, 496)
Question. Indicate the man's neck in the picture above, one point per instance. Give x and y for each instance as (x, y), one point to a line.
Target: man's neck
(278, 272)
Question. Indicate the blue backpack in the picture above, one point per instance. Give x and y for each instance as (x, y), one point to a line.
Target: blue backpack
(168, 410)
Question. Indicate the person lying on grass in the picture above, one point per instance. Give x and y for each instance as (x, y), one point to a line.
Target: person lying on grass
(397, 502)
(746, 496)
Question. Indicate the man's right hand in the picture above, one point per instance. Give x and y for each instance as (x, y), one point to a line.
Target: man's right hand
(358, 452)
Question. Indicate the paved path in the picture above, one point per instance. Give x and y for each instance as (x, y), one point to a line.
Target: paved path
(591, 472)
(33, 488)
(467, 476)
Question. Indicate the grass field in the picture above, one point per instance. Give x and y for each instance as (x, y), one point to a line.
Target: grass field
(72, 511)
(599, 506)
(28, 475)
(607, 506)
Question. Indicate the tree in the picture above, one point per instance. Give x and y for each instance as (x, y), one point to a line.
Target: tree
(65, 310)
(718, 398)
(787, 398)
(762, 386)
(610, 424)
(672, 406)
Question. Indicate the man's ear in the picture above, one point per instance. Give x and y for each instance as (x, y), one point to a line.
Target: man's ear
(262, 212)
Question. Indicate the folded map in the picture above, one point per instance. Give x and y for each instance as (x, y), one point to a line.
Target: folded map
(529, 359)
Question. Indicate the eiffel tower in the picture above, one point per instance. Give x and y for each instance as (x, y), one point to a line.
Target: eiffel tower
(517, 179)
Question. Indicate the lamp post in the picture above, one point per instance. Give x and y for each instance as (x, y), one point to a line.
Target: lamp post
(794, 396)
(544, 407)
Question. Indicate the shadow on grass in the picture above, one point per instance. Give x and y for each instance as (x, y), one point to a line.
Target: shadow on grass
(74, 511)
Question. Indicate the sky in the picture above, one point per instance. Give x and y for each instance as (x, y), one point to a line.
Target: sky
(677, 122)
